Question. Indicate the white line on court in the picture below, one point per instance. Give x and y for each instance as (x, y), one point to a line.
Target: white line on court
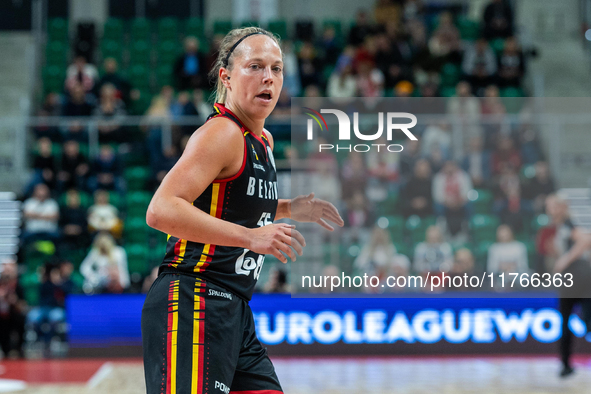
(99, 375)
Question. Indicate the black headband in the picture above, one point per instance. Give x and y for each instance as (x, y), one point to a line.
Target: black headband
(236, 44)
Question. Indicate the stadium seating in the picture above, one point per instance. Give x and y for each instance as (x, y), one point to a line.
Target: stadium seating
(113, 29)
(194, 27)
(168, 29)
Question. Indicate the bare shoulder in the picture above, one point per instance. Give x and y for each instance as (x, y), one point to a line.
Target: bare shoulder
(269, 138)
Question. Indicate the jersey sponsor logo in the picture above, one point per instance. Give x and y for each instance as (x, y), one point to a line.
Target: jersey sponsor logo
(261, 188)
(247, 264)
(222, 387)
(216, 293)
(258, 167)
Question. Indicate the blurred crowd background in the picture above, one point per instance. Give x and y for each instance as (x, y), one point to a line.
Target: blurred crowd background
(128, 99)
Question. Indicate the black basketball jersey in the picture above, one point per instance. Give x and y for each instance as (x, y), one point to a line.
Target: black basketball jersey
(249, 199)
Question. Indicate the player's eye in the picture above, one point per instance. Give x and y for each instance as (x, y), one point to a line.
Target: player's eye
(277, 69)
(254, 66)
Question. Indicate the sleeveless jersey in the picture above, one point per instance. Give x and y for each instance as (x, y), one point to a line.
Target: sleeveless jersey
(249, 199)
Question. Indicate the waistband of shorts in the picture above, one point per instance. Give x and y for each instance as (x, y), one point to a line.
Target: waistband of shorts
(169, 270)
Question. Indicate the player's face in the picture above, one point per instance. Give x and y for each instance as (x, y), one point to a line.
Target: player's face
(257, 76)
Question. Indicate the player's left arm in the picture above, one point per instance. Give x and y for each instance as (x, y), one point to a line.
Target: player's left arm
(306, 208)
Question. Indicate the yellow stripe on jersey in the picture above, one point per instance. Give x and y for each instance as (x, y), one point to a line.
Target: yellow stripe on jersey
(215, 191)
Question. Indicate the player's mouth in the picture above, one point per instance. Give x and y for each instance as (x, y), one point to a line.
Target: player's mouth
(265, 96)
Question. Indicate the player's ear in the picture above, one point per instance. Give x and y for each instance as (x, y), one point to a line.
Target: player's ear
(225, 77)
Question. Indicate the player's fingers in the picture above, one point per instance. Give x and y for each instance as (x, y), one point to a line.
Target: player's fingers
(333, 217)
(323, 223)
(279, 255)
(299, 237)
(294, 243)
(282, 246)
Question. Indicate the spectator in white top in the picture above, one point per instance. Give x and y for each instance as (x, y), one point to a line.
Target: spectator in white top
(41, 214)
(507, 255)
(433, 255)
(450, 195)
(102, 216)
(81, 73)
(105, 267)
(342, 82)
(379, 256)
(464, 105)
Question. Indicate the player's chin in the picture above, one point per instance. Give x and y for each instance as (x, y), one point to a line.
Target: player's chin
(264, 108)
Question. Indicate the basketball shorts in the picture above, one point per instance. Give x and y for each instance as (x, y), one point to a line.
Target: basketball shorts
(200, 338)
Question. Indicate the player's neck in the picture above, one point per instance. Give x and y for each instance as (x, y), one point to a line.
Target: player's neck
(253, 125)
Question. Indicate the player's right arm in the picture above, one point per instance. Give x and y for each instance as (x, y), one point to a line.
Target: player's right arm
(215, 151)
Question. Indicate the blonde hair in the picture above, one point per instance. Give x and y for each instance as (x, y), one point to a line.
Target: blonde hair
(225, 46)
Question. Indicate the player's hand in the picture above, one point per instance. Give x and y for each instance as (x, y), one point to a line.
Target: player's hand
(276, 238)
(314, 210)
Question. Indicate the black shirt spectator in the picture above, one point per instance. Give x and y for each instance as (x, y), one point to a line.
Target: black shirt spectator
(498, 20)
(111, 76)
(190, 69)
(73, 222)
(107, 170)
(78, 104)
(110, 109)
(44, 163)
(360, 30)
(511, 64)
(74, 167)
(417, 195)
(310, 66)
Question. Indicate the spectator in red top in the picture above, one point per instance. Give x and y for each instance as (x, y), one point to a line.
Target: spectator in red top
(505, 153)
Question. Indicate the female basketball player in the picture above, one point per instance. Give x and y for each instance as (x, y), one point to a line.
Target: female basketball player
(218, 204)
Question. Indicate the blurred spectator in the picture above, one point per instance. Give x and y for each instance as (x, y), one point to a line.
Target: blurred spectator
(511, 64)
(203, 108)
(330, 45)
(190, 69)
(105, 267)
(492, 104)
(277, 282)
(498, 20)
(78, 104)
(434, 255)
(80, 73)
(508, 194)
(44, 166)
(163, 164)
(505, 154)
(49, 318)
(51, 106)
(283, 107)
(538, 188)
(360, 30)
(102, 216)
(450, 194)
(74, 169)
(312, 91)
(417, 195)
(325, 183)
(383, 169)
(342, 83)
(413, 9)
(12, 311)
(370, 80)
(112, 77)
(183, 106)
(507, 255)
(410, 155)
(437, 134)
(106, 170)
(387, 11)
(444, 44)
(403, 89)
(358, 213)
(379, 257)
(463, 263)
(291, 74)
(464, 105)
(41, 214)
(110, 110)
(390, 62)
(479, 65)
(73, 223)
(309, 66)
(353, 175)
(477, 163)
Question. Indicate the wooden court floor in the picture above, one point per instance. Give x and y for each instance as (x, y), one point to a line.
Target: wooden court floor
(462, 375)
